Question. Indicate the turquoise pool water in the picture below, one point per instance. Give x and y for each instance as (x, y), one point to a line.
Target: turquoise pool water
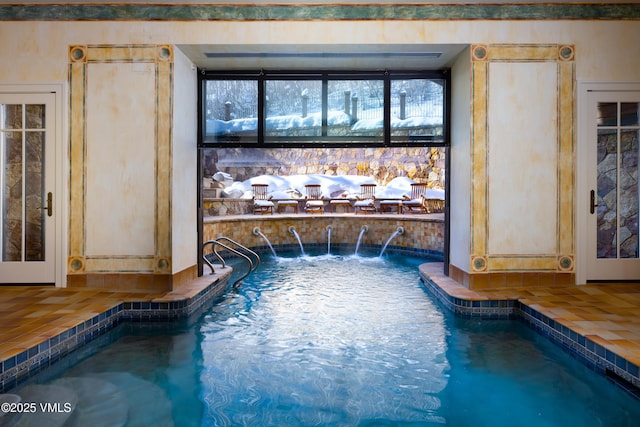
(330, 341)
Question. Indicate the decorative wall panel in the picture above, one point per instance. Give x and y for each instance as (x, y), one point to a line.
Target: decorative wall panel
(540, 216)
(141, 151)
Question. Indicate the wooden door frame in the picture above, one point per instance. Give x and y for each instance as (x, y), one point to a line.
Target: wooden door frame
(582, 170)
(59, 89)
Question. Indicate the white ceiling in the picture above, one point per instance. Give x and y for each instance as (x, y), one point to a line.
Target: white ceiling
(320, 56)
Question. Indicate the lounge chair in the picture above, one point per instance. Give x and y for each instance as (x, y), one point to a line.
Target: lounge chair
(416, 202)
(314, 203)
(366, 201)
(261, 204)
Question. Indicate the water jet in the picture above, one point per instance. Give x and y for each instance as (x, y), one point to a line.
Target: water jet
(293, 231)
(256, 232)
(399, 231)
(363, 230)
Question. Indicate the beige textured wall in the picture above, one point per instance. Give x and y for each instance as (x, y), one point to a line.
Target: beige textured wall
(522, 158)
(523, 142)
(119, 169)
(460, 152)
(39, 51)
(184, 236)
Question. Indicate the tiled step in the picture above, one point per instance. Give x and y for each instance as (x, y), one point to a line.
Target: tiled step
(148, 403)
(100, 399)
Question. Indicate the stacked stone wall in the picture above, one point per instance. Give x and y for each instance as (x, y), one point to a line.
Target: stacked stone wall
(419, 232)
(421, 164)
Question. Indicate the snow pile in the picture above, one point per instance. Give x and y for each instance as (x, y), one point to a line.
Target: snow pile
(334, 118)
(347, 186)
(221, 127)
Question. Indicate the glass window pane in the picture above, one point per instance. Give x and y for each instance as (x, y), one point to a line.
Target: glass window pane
(10, 116)
(12, 224)
(629, 191)
(35, 116)
(293, 108)
(355, 108)
(629, 114)
(34, 197)
(417, 108)
(607, 194)
(231, 110)
(607, 114)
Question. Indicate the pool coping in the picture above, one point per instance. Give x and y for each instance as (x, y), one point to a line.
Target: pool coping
(190, 298)
(174, 305)
(467, 303)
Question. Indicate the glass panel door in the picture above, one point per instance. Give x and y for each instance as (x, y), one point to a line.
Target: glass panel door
(614, 199)
(26, 198)
(617, 180)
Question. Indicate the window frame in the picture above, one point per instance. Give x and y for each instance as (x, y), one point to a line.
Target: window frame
(261, 76)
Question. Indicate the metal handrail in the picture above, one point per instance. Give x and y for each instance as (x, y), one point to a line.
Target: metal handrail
(218, 243)
(244, 248)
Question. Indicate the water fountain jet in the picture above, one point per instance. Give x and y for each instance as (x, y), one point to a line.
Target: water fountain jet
(293, 231)
(256, 232)
(363, 230)
(329, 228)
(399, 231)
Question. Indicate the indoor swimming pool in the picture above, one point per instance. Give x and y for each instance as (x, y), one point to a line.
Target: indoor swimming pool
(328, 340)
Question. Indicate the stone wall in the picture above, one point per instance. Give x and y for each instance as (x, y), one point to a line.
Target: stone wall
(421, 235)
(422, 164)
(227, 207)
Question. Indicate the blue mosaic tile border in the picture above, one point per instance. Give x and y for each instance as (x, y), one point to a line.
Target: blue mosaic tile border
(485, 309)
(343, 248)
(582, 348)
(593, 355)
(156, 311)
(18, 368)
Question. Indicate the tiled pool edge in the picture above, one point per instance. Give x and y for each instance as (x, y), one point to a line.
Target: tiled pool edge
(343, 248)
(593, 355)
(20, 367)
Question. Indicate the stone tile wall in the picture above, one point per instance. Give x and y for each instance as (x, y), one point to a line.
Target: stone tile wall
(425, 233)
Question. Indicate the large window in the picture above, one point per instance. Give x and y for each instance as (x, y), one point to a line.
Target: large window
(280, 109)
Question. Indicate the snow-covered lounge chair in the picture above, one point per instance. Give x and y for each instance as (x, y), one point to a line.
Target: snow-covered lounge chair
(261, 204)
(416, 202)
(366, 203)
(314, 203)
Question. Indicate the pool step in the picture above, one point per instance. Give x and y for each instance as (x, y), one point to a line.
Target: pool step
(103, 399)
(148, 403)
(42, 395)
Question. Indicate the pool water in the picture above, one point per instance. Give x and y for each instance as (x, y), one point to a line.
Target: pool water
(332, 341)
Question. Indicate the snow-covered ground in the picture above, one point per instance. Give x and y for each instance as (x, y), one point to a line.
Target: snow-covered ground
(293, 186)
(335, 118)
